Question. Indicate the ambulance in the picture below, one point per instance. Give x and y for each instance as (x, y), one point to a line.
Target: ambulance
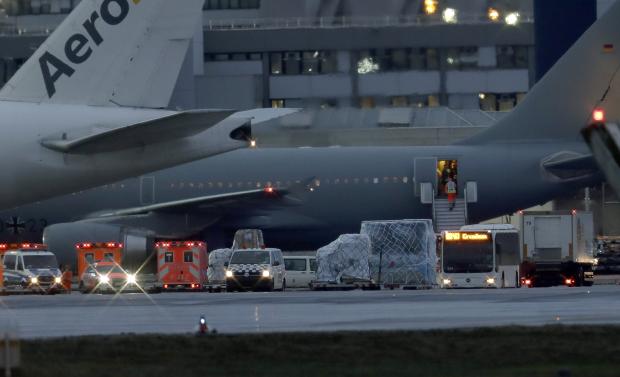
(182, 265)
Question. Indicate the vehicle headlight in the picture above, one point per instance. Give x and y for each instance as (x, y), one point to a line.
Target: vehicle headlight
(490, 281)
(447, 281)
(57, 280)
(34, 280)
(229, 273)
(104, 279)
(131, 279)
(266, 273)
(595, 261)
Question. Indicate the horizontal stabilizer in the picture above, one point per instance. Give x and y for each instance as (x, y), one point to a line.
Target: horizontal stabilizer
(175, 126)
(185, 205)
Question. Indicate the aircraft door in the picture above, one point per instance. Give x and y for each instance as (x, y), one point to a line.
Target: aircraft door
(425, 173)
(147, 190)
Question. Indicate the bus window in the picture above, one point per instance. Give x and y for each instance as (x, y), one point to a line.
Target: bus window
(467, 257)
(507, 249)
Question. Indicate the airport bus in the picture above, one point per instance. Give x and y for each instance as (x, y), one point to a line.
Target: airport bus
(480, 256)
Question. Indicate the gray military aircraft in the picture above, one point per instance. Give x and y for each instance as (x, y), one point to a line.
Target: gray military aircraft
(303, 198)
(85, 109)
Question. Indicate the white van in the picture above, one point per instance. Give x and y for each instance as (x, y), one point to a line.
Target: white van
(300, 269)
(255, 269)
(38, 267)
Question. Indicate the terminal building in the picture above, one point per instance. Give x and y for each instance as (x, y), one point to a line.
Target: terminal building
(407, 72)
(474, 54)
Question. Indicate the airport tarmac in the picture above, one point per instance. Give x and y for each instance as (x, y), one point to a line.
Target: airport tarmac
(170, 313)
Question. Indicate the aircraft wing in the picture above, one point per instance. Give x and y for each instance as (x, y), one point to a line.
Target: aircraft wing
(202, 202)
(258, 199)
(175, 126)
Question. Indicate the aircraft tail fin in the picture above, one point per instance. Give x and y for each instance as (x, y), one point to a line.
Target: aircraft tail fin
(110, 53)
(562, 102)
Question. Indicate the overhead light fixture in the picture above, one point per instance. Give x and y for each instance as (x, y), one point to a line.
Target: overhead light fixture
(512, 19)
(482, 96)
(449, 16)
(493, 14)
(430, 6)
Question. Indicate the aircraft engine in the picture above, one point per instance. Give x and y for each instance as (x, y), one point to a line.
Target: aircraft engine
(62, 238)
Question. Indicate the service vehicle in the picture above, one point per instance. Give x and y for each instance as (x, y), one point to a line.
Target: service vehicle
(480, 256)
(89, 253)
(256, 269)
(32, 264)
(300, 269)
(182, 265)
(107, 276)
(558, 248)
(607, 257)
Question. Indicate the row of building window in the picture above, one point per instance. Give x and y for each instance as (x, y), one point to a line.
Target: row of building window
(24, 7)
(390, 60)
(487, 101)
(303, 62)
(231, 4)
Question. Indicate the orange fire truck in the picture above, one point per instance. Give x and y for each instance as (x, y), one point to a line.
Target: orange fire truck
(181, 265)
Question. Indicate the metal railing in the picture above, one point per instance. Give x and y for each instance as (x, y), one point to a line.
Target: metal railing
(434, 214)
(349, 22)
(14, 29)
(465, 204)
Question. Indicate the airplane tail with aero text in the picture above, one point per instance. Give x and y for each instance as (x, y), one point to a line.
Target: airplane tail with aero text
(125, 53)
(563, 101)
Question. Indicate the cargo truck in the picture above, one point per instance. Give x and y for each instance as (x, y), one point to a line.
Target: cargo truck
(557, 248)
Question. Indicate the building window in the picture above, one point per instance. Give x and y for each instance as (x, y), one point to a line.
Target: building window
(500, 102)
(310, 63)
(276, 63)
(399, 59)
(328, 103)
(462, 58)
(231, 4)
(277, 103)
(367, 103)
(512, 57)
(292, 63)
(400, 101)
(367, 63)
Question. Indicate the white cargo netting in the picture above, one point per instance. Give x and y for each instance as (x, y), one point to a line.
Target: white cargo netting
(216, 273)
(407, 249)
(345, 259)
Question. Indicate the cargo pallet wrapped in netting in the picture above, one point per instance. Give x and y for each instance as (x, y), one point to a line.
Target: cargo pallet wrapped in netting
(406, 249)
(216, 273)
(344, 260)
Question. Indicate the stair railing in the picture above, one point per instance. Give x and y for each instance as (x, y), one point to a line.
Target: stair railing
(434, 211)
(465, 202)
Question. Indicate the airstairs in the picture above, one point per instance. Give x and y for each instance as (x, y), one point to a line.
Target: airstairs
(449, 220)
